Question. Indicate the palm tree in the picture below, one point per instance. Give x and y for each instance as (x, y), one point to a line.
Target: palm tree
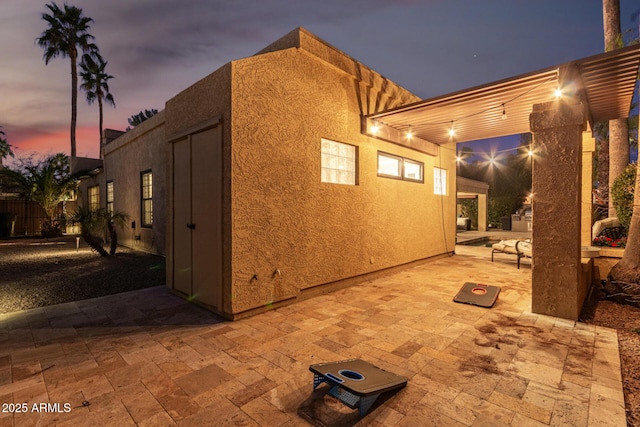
(618, 128)
(94, 222)
(95, 81)
(47, 182)
(68, 31)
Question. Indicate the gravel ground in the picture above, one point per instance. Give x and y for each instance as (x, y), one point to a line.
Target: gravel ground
(39, 272)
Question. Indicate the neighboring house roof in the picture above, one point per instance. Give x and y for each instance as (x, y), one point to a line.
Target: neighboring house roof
(86, 166)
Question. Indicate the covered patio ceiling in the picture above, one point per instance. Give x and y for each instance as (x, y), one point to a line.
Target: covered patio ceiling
(604, 83)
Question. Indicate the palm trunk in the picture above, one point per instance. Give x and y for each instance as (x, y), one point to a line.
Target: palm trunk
(93, 244)
(113, 236)
(100, 125)
(74, 99)
(618, 129)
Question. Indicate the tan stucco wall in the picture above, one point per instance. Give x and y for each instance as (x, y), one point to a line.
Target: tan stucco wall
(138, 150)
(284, 218)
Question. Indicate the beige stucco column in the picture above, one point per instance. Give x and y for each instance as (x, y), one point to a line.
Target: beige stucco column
(483, 208)
(557, 185)
(588, 150)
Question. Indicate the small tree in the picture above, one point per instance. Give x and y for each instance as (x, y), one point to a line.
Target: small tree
(46, 182)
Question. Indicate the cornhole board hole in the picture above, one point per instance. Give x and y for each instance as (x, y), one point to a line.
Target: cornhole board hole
(355, 383)
(478, 294)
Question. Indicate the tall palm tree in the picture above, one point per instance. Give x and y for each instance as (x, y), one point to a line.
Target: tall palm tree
(67, 32)
(95, 82)
(618, 128)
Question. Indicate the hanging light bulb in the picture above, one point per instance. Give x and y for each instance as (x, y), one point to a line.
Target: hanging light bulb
(530, 152)
(504, 113)
(452, 131)
(410, 132)
(558, 92)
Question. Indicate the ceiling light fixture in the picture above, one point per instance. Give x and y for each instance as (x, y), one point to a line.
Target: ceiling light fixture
(452, 131)
(410, 132)
(504, 112)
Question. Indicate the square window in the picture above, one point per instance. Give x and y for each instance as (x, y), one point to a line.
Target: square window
(413, 170)
(338, 163)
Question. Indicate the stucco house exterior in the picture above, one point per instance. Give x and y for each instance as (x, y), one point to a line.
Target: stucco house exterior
(265, 189)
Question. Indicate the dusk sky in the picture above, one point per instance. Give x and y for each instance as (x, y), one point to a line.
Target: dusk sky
(157, 48)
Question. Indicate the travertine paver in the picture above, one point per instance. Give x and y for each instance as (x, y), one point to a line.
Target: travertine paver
(150, 358)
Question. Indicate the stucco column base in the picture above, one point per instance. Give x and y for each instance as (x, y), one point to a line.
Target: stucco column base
(483, 208)
(557, 137)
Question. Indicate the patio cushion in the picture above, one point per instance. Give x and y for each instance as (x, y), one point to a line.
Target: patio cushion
(524, 248)
(507, 246)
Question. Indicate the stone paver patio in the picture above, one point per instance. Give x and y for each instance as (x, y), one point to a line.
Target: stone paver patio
(150, 358)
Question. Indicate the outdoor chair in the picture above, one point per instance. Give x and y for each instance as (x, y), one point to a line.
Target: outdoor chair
(519, 248)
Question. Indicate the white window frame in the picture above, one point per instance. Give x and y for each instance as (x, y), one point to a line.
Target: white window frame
(403, 165)
(338, 163)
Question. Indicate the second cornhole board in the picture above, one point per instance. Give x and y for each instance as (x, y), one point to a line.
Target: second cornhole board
(478, 294)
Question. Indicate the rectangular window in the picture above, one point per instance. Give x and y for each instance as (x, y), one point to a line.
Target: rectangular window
(147, 199)
(339, 163)
(440, 181)
(93, 198)
(391, 166)
(110, 197)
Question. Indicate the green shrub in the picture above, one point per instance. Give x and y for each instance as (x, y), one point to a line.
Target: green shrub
(622, 194)
(469, 209)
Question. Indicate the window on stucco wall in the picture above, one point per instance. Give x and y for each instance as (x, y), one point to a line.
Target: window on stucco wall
(392, 166)
(439, 181)
(339, 163)
(93, 198)
(146, 214)
(110, 197)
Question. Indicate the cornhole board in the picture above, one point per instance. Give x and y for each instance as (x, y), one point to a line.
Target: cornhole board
(355, 383)
(478, 294)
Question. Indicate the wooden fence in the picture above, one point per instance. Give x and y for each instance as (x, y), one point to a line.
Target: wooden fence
(30, 215)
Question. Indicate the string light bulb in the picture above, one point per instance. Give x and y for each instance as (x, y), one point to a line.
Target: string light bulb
(558, 92)
(530, 152)
(504, 112)
(452, 131)
(410, 132)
